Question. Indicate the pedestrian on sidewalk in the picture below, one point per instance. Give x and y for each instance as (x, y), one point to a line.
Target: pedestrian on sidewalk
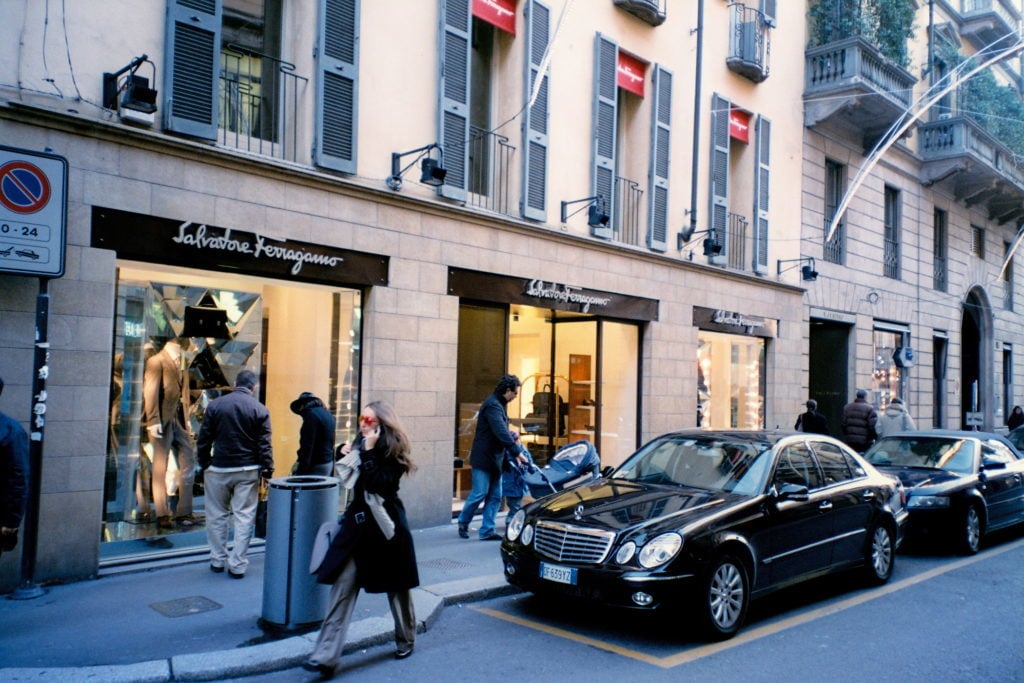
(811, 422)
(316, 436)
(894, 419)
(859, 420)
(513, 483)
(492, 446)
(235, 451)
(13, 478)
(1016, 418)
(370, 552)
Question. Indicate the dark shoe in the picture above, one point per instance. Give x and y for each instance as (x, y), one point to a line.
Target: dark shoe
(165, 523)
(463, 531)
(403, 652)
(492, 537)
(216, 570)
(316, 667)
(233, 575)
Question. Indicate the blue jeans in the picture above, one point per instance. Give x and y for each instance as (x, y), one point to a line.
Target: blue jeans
(486, 489)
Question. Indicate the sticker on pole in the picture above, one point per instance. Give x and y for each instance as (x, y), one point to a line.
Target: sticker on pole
(33, 212)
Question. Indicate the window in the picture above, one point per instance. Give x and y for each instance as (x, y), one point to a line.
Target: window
(835, 182)
(835, 466)
(891, 259)
(796, 466)
(978, 241)
(1007, 278)
(940, 250)
(887, 379)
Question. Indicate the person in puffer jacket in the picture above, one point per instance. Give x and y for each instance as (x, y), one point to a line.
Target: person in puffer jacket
(859, 420)
(894, 419)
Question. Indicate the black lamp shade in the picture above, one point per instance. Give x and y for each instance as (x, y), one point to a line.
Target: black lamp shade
(809, 273)
(432, 173)
(596, 218)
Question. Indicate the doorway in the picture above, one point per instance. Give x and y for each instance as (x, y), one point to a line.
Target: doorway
(975, 356)
(828, 361)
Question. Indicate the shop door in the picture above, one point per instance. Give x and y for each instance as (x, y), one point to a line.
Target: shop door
(828, 371)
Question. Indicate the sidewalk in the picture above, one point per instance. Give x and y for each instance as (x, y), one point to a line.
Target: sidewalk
(182, 622)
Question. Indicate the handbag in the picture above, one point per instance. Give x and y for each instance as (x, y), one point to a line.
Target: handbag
(324, 536)
(261, 509)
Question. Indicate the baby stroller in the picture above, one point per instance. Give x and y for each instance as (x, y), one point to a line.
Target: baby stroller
(571, 465)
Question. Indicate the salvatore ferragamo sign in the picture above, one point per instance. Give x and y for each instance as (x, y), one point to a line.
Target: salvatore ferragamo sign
(197, 245)
(719, 320)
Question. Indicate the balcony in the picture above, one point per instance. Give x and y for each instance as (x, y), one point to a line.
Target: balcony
(648, 11)
(986, 21)
(749, 43)
(959, 152)
(849, 84)
(489, 176)
(627, 224)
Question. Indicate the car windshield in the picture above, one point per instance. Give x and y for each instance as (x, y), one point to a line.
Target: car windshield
(735, 466)
(946, 453)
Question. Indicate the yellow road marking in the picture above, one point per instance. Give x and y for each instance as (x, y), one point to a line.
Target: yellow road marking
(747, 636)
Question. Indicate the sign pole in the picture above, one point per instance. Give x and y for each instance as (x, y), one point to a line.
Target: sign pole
(27, 587)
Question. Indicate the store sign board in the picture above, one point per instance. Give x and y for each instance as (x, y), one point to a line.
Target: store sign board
(499, 13)
(739, 125)
(731, 322)
(631, 73)
(198, 245)
(33, 212)
(550, 294)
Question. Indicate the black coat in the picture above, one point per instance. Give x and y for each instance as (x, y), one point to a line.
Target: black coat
(812, 422)
(492, 443)
(13, 471)
(381, 565)
(316, 438)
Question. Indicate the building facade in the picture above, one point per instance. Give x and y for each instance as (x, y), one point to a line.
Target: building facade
(617, 222)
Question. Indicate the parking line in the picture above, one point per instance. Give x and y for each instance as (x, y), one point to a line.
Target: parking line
(747, 636)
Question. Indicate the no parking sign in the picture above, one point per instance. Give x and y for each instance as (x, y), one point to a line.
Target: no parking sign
(33, 212)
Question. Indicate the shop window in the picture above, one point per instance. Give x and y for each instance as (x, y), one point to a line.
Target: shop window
(730, 381)
(887, 378)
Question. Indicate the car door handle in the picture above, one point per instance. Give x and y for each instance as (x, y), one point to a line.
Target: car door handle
(825, 505)
(868, 495)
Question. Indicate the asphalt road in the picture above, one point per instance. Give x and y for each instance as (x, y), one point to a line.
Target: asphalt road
(940, 618)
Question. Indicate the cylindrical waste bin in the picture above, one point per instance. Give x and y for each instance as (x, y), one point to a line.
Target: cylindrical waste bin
(296, 507)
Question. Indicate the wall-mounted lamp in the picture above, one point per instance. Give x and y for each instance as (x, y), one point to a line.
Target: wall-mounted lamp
(432, 171)
(137, 102)
(596, 216)
(712, 247)
(807, 272)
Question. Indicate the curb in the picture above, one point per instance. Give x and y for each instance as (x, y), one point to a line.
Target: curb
(276, 655)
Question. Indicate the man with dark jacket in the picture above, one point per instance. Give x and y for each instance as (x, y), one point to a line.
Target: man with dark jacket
(492, 446)
(316, 437)
(812, 422)
(859, 419)
(13, 478)
(234, 452)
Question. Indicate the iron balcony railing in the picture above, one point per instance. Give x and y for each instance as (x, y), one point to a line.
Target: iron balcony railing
(749, 43)
(489, 177)
(736, 248)
(940, 274)
(260, 99)
(833, 248)
(891, 258)
(626, 225)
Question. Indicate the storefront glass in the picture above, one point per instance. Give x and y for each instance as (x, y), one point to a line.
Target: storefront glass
(887, 378)
(730, 381)
(296, 337)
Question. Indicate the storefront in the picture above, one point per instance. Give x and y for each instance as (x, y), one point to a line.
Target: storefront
(220, 300)
(576, 351)
(731, 372)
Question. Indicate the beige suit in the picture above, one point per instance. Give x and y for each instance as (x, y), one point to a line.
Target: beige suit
(164, 405)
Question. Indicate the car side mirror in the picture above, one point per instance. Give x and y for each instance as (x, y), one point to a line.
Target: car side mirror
(606, 471)
(990, 464)
(791, 492)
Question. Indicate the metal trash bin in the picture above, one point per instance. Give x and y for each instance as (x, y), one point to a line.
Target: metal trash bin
(296, 507)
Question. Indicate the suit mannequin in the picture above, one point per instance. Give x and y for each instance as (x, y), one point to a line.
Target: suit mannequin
(165, 399)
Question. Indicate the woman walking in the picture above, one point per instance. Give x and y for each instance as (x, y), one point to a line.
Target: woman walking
(373, 550)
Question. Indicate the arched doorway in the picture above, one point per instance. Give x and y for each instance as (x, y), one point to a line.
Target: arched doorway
(976, 359)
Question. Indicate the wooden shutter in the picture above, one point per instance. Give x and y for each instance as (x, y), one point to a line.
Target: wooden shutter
(192, 67)
(762, 163)
(453, 90)
(661, 121)
(719, 211)
(535, 121)
(606, 54)
(337, 85)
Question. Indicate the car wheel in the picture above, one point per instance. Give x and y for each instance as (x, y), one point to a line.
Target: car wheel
(879, 555)
(970, 531)
(725, 597)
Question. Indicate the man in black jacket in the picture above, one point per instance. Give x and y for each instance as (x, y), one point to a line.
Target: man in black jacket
(13, 478)
(316, 437)
(812, 421)
(236, 428)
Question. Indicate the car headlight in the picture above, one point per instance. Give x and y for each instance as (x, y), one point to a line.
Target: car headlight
(660, 550)
(527, 535)
(515, 527)
(626, 552)
(927, 502)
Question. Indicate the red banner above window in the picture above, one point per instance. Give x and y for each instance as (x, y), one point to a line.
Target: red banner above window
(739, 125)
(500, 13)
(631, 73)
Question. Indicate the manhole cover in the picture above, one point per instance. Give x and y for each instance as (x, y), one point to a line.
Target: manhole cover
(185, 606)
(445, 564)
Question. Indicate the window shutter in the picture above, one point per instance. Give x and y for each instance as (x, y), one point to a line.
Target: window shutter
(606, 55)
(762, 163)
(768, 11)
(192, 67)
(535, 122)
(719, 212)
(661, 120)
(337, 85)
(453, 89)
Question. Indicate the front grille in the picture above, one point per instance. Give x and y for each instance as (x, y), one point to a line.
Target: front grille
(568, 543)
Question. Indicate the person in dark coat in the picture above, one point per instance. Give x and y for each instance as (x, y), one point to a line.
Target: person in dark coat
(316, 436)
(1016, 418)
(811, 422)
(859, 420)
(13, 478)
(362, 555)
(492, 447)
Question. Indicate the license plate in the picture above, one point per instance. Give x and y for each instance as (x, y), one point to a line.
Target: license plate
(553, 572)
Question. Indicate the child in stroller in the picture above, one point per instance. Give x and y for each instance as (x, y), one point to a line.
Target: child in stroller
(513, 486)
(573, 464)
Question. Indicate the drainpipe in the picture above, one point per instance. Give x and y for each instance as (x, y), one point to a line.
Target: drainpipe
(696, 124)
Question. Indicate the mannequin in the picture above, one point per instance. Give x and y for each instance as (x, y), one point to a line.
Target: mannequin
(165, 408)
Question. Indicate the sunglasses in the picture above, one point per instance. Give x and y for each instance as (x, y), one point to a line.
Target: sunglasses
(370, 421)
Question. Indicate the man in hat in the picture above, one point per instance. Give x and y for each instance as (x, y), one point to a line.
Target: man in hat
(859, 420)
(316, 437)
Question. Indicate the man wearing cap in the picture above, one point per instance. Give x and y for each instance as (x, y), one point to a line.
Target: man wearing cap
(894, 419)
(859, 420)
(316, 437)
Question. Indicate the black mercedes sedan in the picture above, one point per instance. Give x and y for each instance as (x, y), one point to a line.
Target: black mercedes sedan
(959, 484)
(704, 521)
